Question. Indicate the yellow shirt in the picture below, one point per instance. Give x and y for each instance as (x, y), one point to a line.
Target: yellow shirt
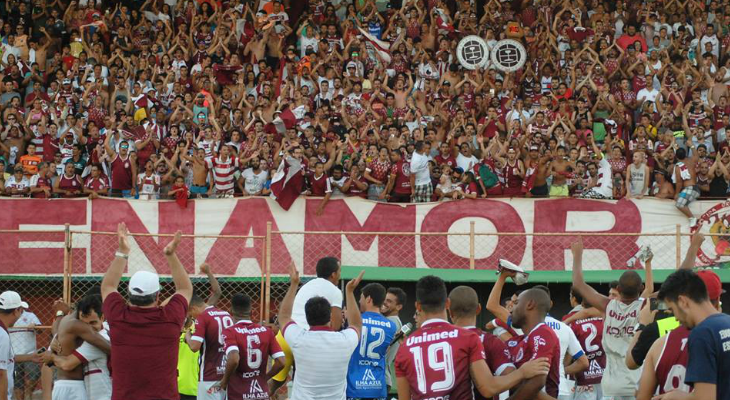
(188, 368)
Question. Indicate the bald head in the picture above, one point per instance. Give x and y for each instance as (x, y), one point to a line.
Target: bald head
(464, 302)
(540, 297)
(630, 285)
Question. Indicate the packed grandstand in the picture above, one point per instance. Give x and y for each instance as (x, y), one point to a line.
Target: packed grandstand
(395, 101)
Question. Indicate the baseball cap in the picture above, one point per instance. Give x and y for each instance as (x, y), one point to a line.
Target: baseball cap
(712, 281)
(67, 81)
(144, 283)
(10, 300)
(534, 148)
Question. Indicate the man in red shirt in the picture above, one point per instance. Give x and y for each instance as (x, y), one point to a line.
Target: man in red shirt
(446, 157)
(257, 343)
(145, 333)
(399, 182)
(41, 184)
(319, 185)
(446, 361)
(463, 308)
(97, 184)
(124, 169)
(210, 322)
(528, 314)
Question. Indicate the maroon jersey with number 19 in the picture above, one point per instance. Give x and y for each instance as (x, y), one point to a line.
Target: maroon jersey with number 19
(209, 327)
(254, 344)
(436, 358)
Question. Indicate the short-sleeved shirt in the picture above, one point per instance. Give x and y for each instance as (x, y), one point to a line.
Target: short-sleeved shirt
(366, 372)
(569, 345)
(497, 355)
(589, 332)
(542, 341)
(435, 359)
(24, 339)
(709, 354)
(255, 344)
(97, 379)
(322, 356)
(7, 357)
(316, 287)
(209, 327)
(144, 347)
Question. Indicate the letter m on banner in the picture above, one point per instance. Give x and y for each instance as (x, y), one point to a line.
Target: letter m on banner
(392, 250)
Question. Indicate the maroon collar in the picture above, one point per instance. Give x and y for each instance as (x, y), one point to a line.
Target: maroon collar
(320, 328)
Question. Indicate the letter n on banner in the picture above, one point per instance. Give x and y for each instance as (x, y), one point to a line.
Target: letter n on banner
(393, 251)
(548, 252)
(436, 251)
(106, 214)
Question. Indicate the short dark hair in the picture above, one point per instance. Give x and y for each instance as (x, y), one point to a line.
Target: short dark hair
(141, 301)
(684, 283)
(431, 293)
(196, 300)
(400, 295)
(318, 311)
(89, 303)
(376, 292)
(241, 304)
(578, 296)
(419, 145)
(613, 285)
(543, 288)
(629, 284)
(327, 266)
(681, 153)
(464, 302)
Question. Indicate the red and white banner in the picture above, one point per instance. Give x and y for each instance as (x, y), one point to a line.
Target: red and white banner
(556, 222)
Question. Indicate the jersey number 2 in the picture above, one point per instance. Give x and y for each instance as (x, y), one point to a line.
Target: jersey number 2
(368, 349)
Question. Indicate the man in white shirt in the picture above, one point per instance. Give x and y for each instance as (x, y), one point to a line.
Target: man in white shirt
(421, 188)
(322, 353)
(23, 341)
(325, 285)
(604, 188)
(253, 179)
(711, 37)
(11, 308)
(9, 48)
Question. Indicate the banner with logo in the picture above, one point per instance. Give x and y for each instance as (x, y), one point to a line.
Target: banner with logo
(535, 234)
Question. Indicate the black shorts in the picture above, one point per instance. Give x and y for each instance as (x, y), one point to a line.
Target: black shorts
(400, 198)
(540, 190)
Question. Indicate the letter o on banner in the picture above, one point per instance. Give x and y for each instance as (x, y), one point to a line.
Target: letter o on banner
(509, 55)
(472, 52)
(435, 249)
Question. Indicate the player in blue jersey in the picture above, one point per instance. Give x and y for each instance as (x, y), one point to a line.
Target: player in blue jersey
(366, 372)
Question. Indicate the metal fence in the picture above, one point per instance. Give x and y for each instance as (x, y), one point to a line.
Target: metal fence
(45, 266)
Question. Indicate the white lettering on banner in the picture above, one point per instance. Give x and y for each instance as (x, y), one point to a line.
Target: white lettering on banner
(548, 250)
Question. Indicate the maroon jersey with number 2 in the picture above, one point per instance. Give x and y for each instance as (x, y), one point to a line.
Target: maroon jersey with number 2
(209, 327)
(436, 358)
(254, 344)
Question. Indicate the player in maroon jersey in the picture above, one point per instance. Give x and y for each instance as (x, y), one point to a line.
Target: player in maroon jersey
(399, 182)
(248, 348)
(441, 360)
(589, 332)
(541, 341)
(463, 309)
(210, 323)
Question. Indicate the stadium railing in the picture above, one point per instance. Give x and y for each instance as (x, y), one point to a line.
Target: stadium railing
(45, 266)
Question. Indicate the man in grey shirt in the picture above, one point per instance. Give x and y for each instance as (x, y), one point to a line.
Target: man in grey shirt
(394, 300)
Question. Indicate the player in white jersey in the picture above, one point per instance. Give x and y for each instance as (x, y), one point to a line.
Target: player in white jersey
(97, 379)
(569, 344)
(622, 315)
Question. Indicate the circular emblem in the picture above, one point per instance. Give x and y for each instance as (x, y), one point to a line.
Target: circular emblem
(716, 220)
(126, 165)
(509, 55)
(472, 52)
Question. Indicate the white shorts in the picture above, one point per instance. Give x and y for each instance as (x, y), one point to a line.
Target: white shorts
(619, 398)
(69, 390)
(203, 391)
(588, 392)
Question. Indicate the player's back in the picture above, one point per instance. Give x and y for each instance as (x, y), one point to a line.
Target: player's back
(209, 327)
(497, 355)
(366, 372)
(618, 330)
(671, 366)
(435, 360)
(589, 332)
(255, 344)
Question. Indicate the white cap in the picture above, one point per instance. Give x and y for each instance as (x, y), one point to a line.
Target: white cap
(11, 300)
(144, 283)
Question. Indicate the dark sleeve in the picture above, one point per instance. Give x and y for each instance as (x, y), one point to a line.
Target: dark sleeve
(703, 358)
(113, 307)
(648, 336)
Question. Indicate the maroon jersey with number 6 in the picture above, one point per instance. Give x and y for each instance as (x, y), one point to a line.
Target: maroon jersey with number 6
(436, 358)
(255, 344)
(209, 327)
(590, 335)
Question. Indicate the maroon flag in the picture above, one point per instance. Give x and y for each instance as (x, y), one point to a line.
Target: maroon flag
(287, 183)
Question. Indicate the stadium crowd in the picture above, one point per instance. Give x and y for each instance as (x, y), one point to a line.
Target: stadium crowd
(183, 99)
(631, 344)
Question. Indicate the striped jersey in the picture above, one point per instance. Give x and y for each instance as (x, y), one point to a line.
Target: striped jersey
(223, 172)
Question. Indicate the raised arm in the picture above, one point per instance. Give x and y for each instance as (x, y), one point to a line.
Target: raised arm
(493, 302)
(591, 295)
(114, 274)
(287, 305)
(215, 287)
(180, 277)
(354, 319)
(694, 247)
(648, 279)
